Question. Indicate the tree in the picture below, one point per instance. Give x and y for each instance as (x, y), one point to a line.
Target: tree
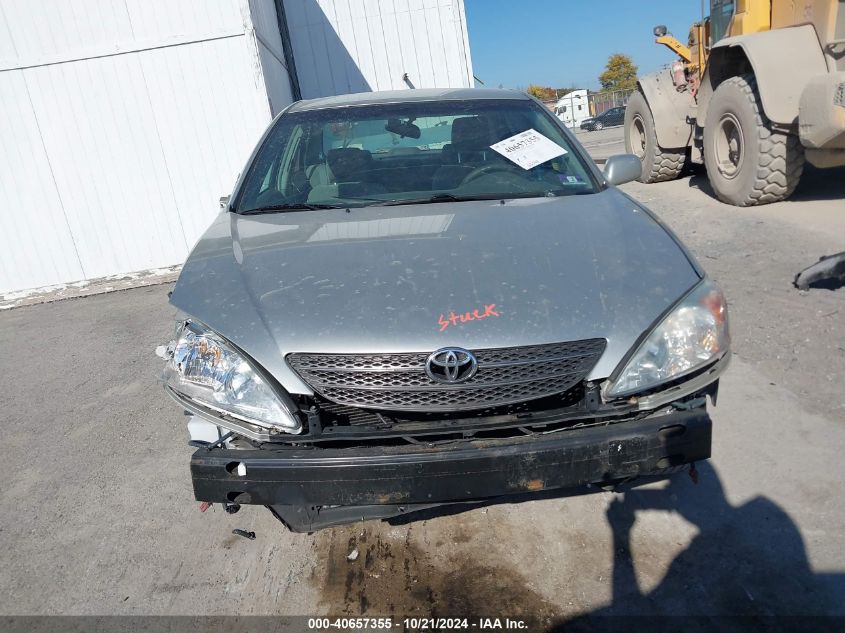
(620, 73)
(543, 93)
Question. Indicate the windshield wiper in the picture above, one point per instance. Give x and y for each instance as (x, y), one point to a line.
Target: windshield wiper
(448, 197)
(289, 206)
(438, 197)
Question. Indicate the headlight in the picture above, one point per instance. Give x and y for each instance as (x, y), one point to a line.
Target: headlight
(693, 335)
(206, 369)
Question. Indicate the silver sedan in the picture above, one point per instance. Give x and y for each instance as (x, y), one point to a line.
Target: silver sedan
(433, 297)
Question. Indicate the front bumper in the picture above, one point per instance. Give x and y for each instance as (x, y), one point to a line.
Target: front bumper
(468, 471)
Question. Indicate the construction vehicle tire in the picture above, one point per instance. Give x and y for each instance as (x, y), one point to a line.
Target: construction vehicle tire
(748, 162)
(659, 163)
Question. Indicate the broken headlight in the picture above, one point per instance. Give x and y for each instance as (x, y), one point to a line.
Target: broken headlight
(693, 335)
(208, 370)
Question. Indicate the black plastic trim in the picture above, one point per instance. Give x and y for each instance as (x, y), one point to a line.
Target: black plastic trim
(471, 470)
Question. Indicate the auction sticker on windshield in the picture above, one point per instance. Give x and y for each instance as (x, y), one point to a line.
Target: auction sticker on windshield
(528, 149)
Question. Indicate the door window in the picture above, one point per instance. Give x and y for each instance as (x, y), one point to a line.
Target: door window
(721, 12)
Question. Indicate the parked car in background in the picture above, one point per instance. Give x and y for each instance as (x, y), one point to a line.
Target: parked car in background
(430, 297)
(608, 118)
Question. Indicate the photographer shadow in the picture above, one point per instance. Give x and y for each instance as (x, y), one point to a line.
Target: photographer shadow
(747, 560)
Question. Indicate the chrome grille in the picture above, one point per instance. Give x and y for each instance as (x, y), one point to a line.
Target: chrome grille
(398, 381)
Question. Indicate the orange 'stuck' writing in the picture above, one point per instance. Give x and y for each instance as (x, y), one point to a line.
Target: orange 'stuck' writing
(475, 315)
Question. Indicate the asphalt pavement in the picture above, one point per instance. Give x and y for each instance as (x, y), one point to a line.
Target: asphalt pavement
(603, 143)
(98, 515)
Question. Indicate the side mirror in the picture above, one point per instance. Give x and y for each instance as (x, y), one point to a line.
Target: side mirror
(622, 168)
(224, 203)
(660, 30)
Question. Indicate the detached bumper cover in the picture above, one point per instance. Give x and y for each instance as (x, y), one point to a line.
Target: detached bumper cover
(442, 474)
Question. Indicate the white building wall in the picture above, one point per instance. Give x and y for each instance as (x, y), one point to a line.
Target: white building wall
(123, 123)
(343, 46)
(36, 247)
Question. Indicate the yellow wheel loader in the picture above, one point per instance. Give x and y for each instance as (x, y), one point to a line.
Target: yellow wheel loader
(758, 89)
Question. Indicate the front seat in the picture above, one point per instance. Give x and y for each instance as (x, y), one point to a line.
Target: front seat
(469, 149)
(349, 173)
(348, 164)
(342, 164)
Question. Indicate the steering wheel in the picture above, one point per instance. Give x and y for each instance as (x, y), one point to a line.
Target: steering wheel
(485, 171)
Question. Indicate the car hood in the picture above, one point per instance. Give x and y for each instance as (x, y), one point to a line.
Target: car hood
(417, 278)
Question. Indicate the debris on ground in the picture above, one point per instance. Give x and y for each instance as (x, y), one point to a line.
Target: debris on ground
(353, 555)
(244, 533)
(828, 272)
(693, 473)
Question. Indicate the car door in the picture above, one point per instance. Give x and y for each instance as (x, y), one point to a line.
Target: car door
(616, 116)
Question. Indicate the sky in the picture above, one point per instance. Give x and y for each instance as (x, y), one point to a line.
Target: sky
(566, 43)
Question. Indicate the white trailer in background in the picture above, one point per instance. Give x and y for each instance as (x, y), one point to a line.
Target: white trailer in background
(124, 121)
(573, 107)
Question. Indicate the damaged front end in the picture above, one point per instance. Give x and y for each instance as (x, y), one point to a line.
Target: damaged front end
(384, 466)
(472, 442)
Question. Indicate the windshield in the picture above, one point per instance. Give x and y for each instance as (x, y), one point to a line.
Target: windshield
(412, 152)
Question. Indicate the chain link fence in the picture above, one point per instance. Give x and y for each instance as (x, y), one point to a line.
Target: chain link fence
(603, 101)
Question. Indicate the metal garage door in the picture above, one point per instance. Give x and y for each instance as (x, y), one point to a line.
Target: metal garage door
(123, 122)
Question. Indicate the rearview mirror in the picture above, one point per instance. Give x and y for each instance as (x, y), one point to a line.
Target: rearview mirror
(403, 128)
(622, 168)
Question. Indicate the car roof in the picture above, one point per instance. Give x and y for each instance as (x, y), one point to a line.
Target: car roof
(406, 96)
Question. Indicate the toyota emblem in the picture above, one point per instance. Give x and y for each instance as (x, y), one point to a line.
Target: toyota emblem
(451, 365)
